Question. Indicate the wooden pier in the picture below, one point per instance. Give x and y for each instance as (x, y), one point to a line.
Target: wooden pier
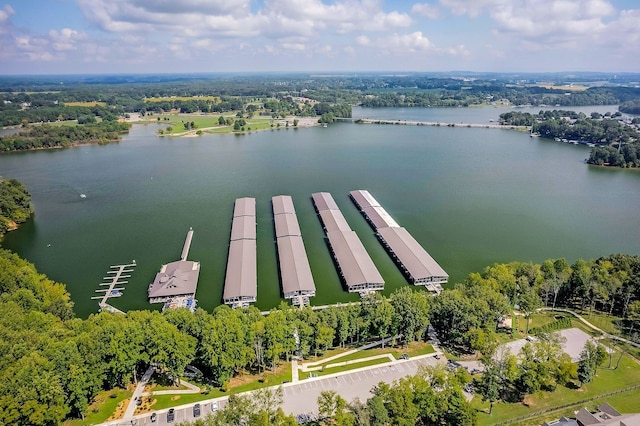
(116, 276)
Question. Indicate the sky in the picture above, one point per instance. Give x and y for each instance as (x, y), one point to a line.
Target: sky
(184, 36)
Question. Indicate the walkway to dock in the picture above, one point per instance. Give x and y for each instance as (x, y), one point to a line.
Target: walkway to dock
(111, 281)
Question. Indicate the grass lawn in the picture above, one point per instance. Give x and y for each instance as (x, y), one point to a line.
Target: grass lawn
(342, 368)
(239, 384)
(208, 123)
(626, 402)
(607, 380)
(84, 104)
(215, 99)
(102, 408)
(602, 321)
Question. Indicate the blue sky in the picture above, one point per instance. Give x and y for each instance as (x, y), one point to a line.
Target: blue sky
(169, 36)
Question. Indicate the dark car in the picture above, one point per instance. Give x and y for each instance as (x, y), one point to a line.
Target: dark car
(196, 410)
(171, 415)
(139, 401)
(154, 416)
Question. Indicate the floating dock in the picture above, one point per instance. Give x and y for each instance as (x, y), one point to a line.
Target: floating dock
(354, 264)
(295, 272)
(115, 277)
(241, 282)
(176, 283)
(412, 259)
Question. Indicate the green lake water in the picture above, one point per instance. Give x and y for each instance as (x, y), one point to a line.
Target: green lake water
(471, 197)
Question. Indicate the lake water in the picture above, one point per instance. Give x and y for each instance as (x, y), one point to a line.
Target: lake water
(472, 197)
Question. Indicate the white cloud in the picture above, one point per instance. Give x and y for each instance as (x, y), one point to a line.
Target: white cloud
(65, 39)
(426, 10)
(277, 18)
(412, 43)
(5, 19)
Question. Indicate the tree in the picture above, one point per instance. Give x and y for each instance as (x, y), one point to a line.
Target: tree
(591, 357)
(411, 313)
(528, 302)
(489, 385)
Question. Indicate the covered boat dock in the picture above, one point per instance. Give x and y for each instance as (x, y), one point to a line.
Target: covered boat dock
(241, 283)
(354, 264)
(412, 259)
(295, 272)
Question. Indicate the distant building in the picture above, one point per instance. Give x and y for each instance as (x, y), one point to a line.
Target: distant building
(605, 416)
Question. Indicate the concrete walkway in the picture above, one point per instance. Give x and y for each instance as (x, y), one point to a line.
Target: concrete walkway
(137, 393)
(588, 324)
(191, 389)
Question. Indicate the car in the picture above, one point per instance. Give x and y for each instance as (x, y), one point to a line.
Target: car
(404, 356)
(154, 416)
(171, 415)
(214, 406)
(530, 338)
(196, 410)
(436, 356)
(139, 401)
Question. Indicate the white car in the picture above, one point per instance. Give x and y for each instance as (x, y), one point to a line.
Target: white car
(214, 406)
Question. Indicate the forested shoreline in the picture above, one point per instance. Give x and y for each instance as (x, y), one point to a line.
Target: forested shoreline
(42, 339)
(15, 204)
(614, 143)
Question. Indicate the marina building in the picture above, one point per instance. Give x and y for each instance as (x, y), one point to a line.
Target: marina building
(175, 285)
(295, 272)
(354, 264)
(241, 282)
(412, 259)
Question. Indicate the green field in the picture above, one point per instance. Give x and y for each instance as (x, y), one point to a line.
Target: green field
(84, 104)
(183, 98)
(173, 124)
(607, 380)
(103, 407)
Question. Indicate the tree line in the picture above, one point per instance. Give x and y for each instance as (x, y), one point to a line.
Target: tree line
(618, 144)
(15, 204)
(50, 136)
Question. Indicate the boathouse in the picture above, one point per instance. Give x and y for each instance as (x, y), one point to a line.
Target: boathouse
(241, 282)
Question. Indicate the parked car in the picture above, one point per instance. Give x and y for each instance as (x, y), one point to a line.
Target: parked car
(404, 356)
(214, 406)
(171, 415)
(154, 416)
(436, 356)
(196, 410)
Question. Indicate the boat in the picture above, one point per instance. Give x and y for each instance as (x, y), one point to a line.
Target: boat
(83, 196)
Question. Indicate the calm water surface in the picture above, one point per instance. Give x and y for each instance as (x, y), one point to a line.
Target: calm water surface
(470, 196)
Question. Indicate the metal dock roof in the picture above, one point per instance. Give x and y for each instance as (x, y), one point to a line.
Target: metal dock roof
(333, 220)
(379, 218)
(244, 207)
(282, 204)
(357, 268)
(294, 267)
(241, 282)
(286, 225)
(363, 199)
(324, 201)
(243, 227)
(420, 266)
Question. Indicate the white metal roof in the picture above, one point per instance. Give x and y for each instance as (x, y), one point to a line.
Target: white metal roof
(355, 263)
(294, 265)
(363, 199)
(412, 255)
(282, 204)
(324, 201)
(241, 277)
(244, 207)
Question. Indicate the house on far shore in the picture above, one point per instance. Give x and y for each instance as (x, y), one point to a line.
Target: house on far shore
(605, 416)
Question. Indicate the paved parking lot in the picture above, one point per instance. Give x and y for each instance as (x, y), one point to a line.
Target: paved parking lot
(302, 397)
